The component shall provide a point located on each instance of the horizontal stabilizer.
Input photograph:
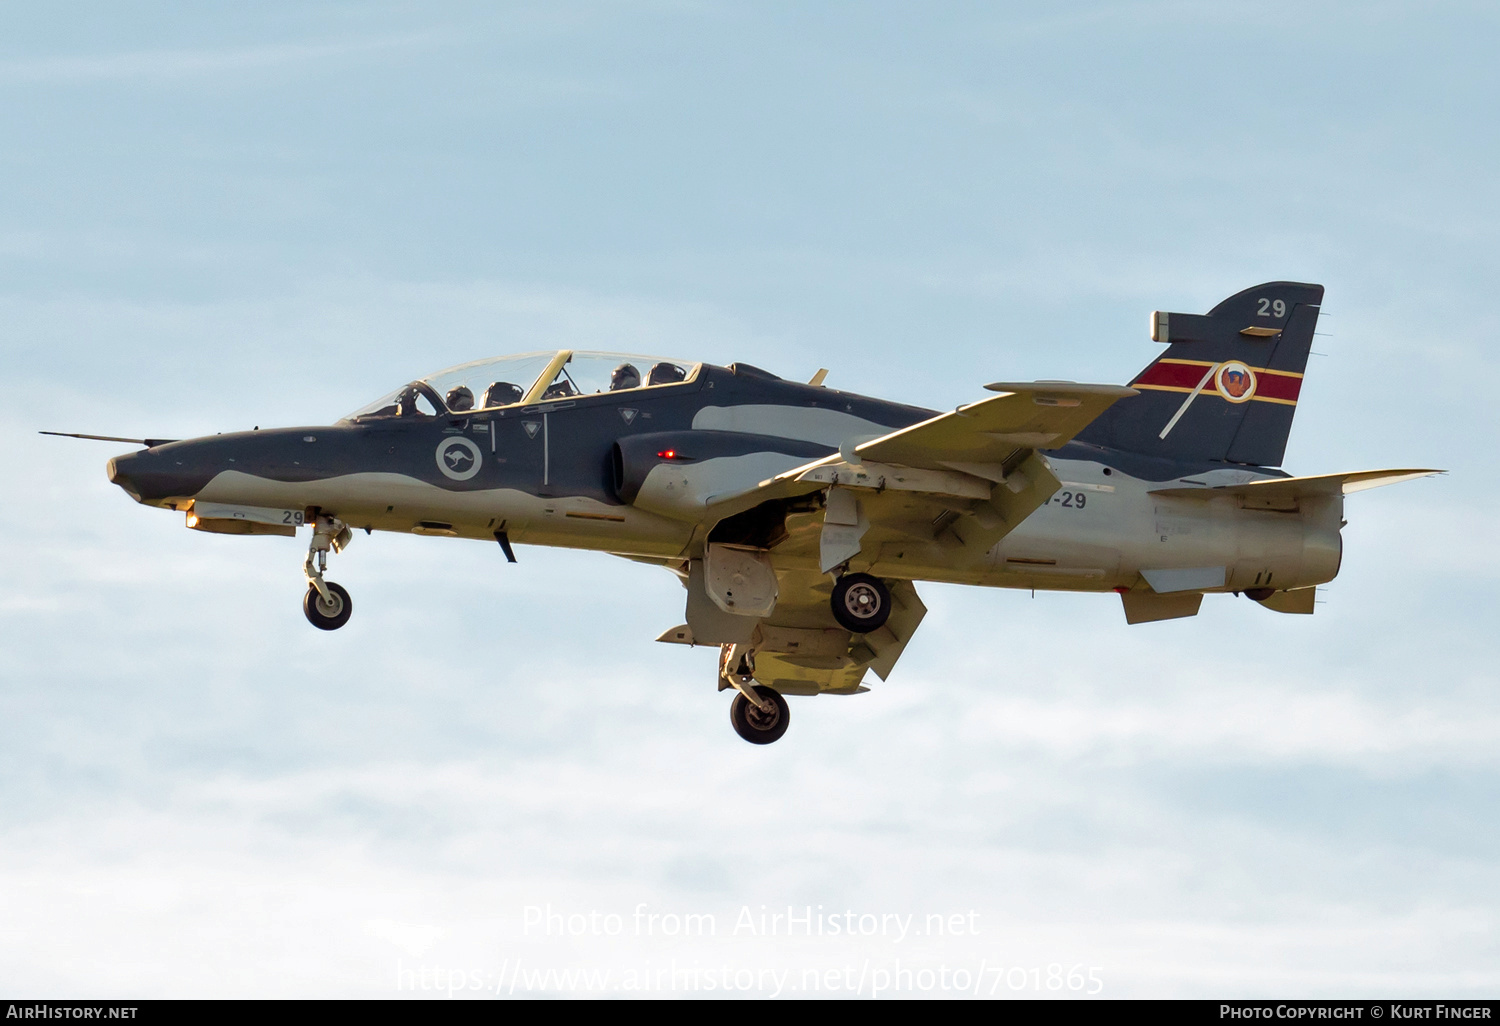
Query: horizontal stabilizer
(1282, 492)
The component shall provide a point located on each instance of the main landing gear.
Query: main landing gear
(327, 605)
(758, 713)
(760, 726)
(861, 603)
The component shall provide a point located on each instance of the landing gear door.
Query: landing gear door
(740, 579)
(709, 623)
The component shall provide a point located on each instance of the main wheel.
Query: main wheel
(861, 603)
(325, 615)
(756, 725)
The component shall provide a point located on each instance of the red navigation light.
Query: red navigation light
(668, 454)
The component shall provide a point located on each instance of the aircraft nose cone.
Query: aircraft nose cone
(117, 469)
(151, 476)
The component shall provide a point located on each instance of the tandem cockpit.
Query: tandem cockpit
(525, 379)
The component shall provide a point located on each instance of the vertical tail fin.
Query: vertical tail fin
(1226, 388)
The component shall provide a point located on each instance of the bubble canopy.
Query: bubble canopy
(526, 378)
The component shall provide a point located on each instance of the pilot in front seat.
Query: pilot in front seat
(460, 399)
(625, 376)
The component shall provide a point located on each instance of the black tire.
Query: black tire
(318, 612)
(861, 603)
(755, 726)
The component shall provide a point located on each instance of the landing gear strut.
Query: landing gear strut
(758, 713)
(861, 603)
(327, 605)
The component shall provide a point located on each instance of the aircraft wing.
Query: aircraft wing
(939, 492)
(964, 452)
(960, 480)
(961, 454)
(982, 438)
(1284, 492)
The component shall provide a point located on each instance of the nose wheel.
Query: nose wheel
(762, 723)
(861, 603)
(327, 614)
(326, 604)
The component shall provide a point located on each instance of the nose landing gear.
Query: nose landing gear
(326, 605)
(327, 614)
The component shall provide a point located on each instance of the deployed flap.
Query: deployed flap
(1288, 489)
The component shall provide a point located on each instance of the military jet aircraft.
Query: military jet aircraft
(798, 517)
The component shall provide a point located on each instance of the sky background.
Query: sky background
(215, 216)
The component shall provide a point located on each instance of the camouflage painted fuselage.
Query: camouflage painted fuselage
(632, 472)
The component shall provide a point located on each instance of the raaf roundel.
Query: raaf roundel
(799, 517)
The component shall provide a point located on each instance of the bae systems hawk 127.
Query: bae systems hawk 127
(798, 517)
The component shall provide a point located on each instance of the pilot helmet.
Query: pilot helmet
(665, 374)
(625, 376)
(460, 399)
(502, 393)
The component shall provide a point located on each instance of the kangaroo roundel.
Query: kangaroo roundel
(458, 458)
